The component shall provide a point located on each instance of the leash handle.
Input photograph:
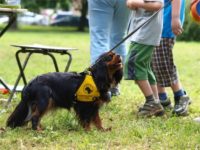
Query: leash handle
(144, 23)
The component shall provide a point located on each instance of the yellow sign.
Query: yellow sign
(88, 91)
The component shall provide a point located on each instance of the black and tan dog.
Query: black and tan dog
(85, 92)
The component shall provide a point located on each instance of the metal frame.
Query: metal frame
(12, 18)
(39, 50)
(4, 84)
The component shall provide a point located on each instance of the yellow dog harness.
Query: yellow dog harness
(88, 91)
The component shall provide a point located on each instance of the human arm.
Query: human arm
(192, 2)
(176, 22)
(147, 5)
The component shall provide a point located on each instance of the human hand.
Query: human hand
(134, 4)
(176, 26)
(192, 2)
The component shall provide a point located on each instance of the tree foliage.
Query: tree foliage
(36, 5)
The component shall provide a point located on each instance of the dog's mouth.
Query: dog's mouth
(115, 63)
(118, 61)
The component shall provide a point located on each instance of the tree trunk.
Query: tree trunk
(83, 20)
(14, 26)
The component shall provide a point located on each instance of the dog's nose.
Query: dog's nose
(119, 57)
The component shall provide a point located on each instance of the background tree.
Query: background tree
(82, 6)
(36, 5)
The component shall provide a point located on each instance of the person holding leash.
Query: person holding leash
(163, 60)
(108, 21)
(138, 61)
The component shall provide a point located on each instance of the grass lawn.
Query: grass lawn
(62, 131)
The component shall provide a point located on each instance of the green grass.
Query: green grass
(62, 130)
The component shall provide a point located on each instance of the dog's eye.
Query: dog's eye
(107, 58)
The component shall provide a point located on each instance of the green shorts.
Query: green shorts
(138, 63)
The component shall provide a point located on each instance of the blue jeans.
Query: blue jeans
(108, 20)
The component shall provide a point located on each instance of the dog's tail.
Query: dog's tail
(20, 115)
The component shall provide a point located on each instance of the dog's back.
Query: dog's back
(61, 87)
(44, 92)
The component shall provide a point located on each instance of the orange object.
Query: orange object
(4, 91)
(195, 11)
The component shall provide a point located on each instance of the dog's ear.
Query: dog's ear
(108, 70)
(118, 76)
(100, 74)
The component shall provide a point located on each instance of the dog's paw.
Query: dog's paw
(2, 130)
(106, 129)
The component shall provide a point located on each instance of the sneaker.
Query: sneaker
(181, 106)
(151, 108)
(115, 91)
(166, 103)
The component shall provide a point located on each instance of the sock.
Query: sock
(149, 98)
(178, 94)
(162, 96)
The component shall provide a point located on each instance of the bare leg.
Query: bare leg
(145, 87)
(176, 87)
(155, 91)
(161, 89)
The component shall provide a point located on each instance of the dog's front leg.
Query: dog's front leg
(85, 125)
(97, 122)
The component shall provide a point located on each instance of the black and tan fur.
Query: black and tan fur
(54, 90)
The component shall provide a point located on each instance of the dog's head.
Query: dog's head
(107, 71)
